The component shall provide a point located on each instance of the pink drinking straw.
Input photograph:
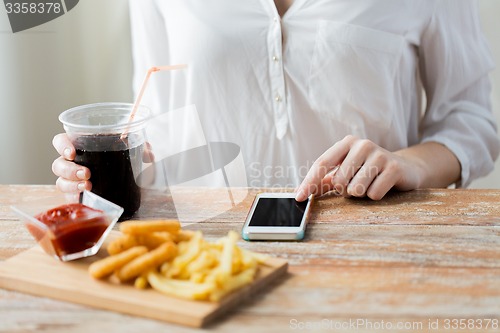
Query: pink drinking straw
(143, 88)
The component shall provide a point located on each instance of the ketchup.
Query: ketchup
(76, 227)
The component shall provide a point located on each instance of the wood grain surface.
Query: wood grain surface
(413, 262)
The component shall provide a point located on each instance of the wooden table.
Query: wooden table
(422, 260)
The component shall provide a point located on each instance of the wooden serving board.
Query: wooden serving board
(35, 272)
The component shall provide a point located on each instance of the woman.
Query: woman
(391, 94)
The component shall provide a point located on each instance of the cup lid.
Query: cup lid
(104, 118)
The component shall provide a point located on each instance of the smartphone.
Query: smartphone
(277, 216)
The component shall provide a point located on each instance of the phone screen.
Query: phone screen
(278, 212)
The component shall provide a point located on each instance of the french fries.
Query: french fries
(151, 241)
(144, 227)
(147, 261)
(177, 262)
(106, 266)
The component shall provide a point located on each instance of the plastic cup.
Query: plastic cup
(115, 163)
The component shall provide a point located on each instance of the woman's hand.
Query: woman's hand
(73, 178)
(359, 168)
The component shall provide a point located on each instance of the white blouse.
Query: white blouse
(398, 72)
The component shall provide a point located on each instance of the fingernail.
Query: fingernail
(80, 174)
(81, 187)
(300, 195)
(350, 190)
(67, 152)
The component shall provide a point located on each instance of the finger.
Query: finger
(64, 146)
(69, 186)
(148, 155)
(352, 163)
(324, 164)
(327, 184)
(362, 180)
(70, 170)
(384, 182)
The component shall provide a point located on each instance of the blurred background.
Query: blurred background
(84, 57)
